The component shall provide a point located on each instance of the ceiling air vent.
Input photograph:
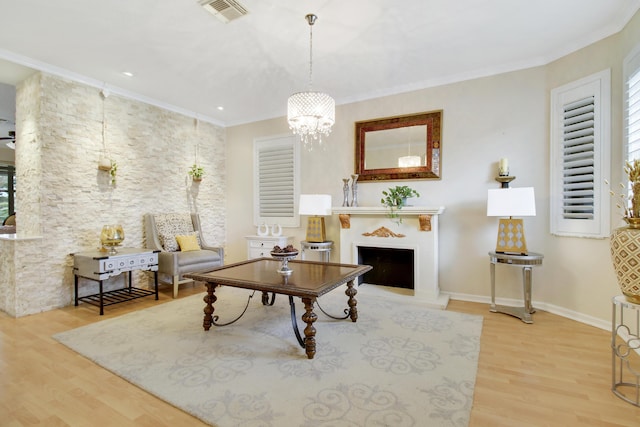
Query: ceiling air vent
(224, 10)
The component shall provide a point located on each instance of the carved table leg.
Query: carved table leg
(210, 298)
(309, 332)
(351, 293)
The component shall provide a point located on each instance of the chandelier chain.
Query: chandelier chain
(310, 56)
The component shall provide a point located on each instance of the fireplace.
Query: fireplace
(369, 227)
(393, 266)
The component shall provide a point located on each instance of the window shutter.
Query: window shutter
(276, 181)
(578, 160)
(633, 115)
(580, 153)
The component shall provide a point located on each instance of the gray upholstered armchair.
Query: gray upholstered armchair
(161, 231)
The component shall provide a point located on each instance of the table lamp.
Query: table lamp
(510, 202)
(318, 205)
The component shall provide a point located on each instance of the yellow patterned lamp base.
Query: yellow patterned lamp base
(511, 237)
(315, 230)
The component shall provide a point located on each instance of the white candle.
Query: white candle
(503, 167)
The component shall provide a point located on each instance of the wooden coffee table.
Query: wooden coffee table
(308, 281)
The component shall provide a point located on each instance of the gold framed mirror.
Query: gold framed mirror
(400, 147)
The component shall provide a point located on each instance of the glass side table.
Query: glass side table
(625, 350)
(527, 262)
(323, 247)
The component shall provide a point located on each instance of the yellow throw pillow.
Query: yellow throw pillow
(188, 243)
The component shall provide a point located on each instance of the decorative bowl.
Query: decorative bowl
(284, 258)
(289, 255)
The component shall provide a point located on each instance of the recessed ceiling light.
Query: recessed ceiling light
(127, 73)
(220, 108)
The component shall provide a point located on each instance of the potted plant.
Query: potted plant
(196, 172)
(113, 171)
(395, 198)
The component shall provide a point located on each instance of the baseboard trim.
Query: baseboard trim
(560, 311)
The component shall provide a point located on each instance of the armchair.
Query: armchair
(161, 231)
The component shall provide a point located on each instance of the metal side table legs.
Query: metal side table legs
(527, 262)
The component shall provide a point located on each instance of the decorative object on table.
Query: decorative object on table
(196, 172)
(111, 236)
(624, 242)
(276, 230)
(262, 230)
(284, 255)
(503, 173)
(354, 190)
(319, 206)
(345, 191)
(510, 202)
(395, 198)
(311, 114)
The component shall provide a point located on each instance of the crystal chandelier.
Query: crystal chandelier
(311, 114)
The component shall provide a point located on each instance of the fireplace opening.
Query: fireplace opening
(391, 266)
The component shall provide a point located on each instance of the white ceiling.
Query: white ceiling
(186, 60)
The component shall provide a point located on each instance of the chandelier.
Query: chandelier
(311, 114)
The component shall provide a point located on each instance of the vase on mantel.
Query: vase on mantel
(625, 255)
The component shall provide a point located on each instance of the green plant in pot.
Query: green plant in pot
(196, 172)
(395, 198)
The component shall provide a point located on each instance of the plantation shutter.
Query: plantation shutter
(633, 115)
(578, 160)
(580, 153)
(276, 181)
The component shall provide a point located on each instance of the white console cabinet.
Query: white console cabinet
(260, 246)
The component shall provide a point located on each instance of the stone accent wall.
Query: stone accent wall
(65, 199)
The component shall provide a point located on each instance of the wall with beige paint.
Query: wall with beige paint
(485, 119)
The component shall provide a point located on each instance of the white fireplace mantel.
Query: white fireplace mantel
(380, 210)
(418, 232)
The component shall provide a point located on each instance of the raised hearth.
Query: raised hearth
(371, 227)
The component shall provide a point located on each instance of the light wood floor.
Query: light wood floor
(556, 372)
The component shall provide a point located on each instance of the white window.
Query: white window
(631, 75)
(276, 183)
(580, 146)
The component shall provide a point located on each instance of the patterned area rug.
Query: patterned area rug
(400, 364)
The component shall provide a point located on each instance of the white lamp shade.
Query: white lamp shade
(315, 204)
(511, 202)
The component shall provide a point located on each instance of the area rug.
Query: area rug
(401, 364)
